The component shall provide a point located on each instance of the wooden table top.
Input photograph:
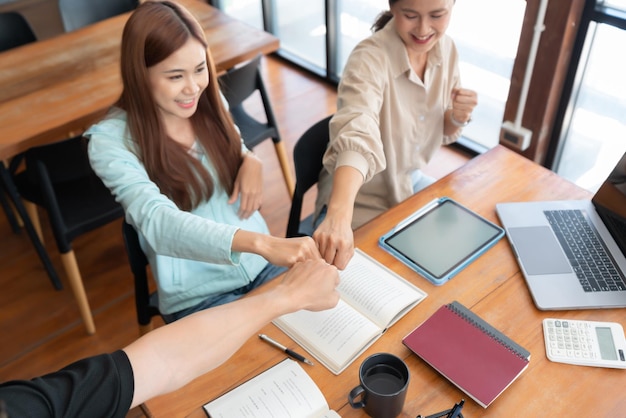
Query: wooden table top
(492, 286)
(51, 88)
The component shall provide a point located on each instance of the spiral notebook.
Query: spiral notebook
(469, 352)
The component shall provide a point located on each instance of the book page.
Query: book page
(333, 336)
(285, 390)
(376, 291)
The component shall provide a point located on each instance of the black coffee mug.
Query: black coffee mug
(384, 381)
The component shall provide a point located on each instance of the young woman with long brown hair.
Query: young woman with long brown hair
(173, 158)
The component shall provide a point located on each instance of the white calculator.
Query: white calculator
(585, 343)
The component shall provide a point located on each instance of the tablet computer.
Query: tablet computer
(440, 239)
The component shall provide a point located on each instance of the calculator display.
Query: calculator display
(606, 343)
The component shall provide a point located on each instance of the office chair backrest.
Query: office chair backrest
(237, 85)
(64, 161)
(241, 82)
(14, 31)
(58, 177)
(307, 158)
(78, 13)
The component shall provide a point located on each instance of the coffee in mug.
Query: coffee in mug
(384, 379)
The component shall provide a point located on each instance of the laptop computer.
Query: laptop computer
(572, 253)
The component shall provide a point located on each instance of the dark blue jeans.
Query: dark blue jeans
(268, 273)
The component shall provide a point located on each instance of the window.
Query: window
(356, 18)
(249, 11)
(593, 133)
(301, 28)
(487, 46)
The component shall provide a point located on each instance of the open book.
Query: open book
(284, 390)
(372, 299)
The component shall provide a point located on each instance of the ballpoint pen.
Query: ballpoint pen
(289, 352)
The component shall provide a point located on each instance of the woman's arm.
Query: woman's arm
(248, 185)
(460, 112)
(334, 236)
(278, 251)
(171, 356)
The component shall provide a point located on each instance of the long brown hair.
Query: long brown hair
(153, 32)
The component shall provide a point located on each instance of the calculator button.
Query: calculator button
(558, 352)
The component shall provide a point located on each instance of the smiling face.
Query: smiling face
(178, 81)
(421, 23)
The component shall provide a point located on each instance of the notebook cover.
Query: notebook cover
(467, 354)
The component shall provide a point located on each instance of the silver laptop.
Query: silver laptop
(572, 252)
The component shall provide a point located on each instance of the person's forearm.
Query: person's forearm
(169, 357)
(250, 242)
(346, 184)
(449, 128)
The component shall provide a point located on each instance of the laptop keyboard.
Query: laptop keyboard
(589, 258)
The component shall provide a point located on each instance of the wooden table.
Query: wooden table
(55, 88)
(61, 85)
(492, 286)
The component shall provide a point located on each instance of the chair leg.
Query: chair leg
(14, 221)
(31, 209)
(281, 152)
(14, 218)
(76, 283)
(11, 190)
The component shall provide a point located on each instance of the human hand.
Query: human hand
(311, 285)
(248, 186)
(288, 251)
(335, 240)
(463, 103)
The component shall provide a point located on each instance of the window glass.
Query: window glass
(487, 49)
(616, 4)
(355, 21)
(249, 11)
(595, 130)
(301, 27)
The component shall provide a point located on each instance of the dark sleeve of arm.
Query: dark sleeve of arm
(99, 386)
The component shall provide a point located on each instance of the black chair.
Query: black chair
(146, 303)
(238, 85)
(307, 158)
(14, 31)
(58, 178)
(78, 13)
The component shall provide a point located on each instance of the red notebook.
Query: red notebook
(476, 357)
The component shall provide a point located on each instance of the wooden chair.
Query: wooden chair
(58, 178)
(146, 303)
(307, 158)
(238, 85)
(78, 13)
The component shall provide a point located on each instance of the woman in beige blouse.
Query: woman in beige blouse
(399, 99)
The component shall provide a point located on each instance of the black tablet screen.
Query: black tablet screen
(443, 238)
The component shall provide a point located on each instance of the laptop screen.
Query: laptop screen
(610, 203)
